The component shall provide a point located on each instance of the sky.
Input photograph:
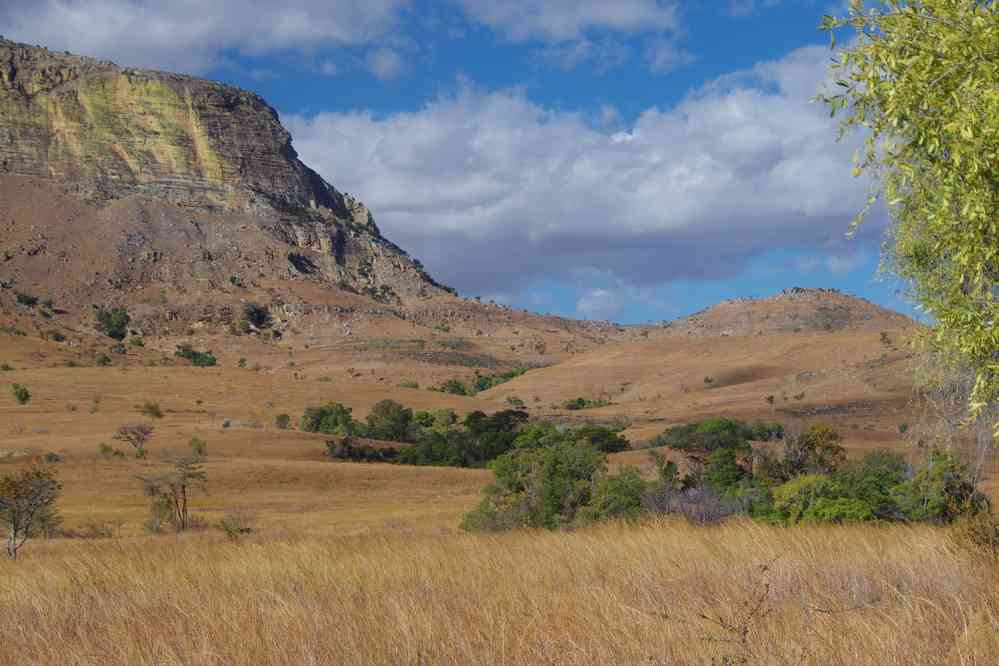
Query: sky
(631, 160)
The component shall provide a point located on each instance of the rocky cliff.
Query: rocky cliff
(105, 132)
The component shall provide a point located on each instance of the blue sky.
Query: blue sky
(635, 160)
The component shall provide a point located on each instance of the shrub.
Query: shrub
(257, 315)
(332, 419)
(617, 496)
(236, 524)
(708, 436)
(388, 420)
(103, 360)
(242, 363)
(197, 358)
(105, 450)
(113, 322)
(603, 439)
(56, 336)
(199, 448)
(20, 393)
(152, 410)
(26, 299)
(137, 342)
(282, 421)
(939, 492)
(51, 457)
(540, 487)
(6, 367)
(346, 449)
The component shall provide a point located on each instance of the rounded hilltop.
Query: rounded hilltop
(796, 309)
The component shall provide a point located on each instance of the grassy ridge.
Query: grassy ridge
(658, 593)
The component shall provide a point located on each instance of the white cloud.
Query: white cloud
(492, 191)
(604, 54)
(599, 304)
(748, 7)
(385, 63)
(192, 35)
(664, 56)
(569, 20)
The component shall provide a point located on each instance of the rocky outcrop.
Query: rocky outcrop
(106, 132)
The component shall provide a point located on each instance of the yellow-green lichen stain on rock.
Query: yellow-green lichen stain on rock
(111, 132)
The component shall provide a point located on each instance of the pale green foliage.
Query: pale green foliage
(922, 80)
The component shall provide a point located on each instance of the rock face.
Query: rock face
(105, 132)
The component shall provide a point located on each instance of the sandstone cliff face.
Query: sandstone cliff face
(105, 132)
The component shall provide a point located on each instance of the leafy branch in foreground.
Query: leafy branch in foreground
(922, 80)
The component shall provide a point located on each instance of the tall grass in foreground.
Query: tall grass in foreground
(663, 593)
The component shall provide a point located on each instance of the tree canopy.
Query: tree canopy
(921, 78)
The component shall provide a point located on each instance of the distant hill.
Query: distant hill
(793, 310)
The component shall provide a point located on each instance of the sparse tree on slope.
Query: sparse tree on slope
(27, 500)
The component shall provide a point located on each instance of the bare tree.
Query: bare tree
(943, 388)
(27, 501)
(136, 436)
(172, 490)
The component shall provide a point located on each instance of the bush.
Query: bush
(617, 496)
(708, 436)
(113, 322)
(603, 439)
(51, 457)
(332, 419)
(103, 360)
(26, 299)
(236, 524)
(137, 342)
(390, 421)
(346, 449)
(282, 421)
(257, 315)
(6, 367)
(577, 404)
(940, 492)
(541, 487)
(20, 393)
(152, 410)
(199, 447)
(197, 358)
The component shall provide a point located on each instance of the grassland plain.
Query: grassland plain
(656, 593)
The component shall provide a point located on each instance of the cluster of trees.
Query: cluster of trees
(440, 438)
(564, 482)
(480, 383)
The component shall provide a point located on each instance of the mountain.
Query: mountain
(186, 154)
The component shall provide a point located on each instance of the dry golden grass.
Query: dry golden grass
(663, 593)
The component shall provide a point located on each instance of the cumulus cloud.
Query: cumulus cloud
(192, 35)
(493, 191)
(568, 20)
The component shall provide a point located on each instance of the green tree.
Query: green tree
(538, 487)
(331, 419)
(390, 421)
(922, 80)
